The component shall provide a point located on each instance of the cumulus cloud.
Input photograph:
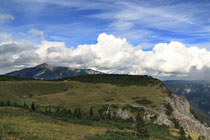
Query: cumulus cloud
(112, 55)
(6, 17)
(16, 54)
(36, 32)
(175, 57)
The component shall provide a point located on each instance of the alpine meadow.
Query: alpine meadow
(104, 70)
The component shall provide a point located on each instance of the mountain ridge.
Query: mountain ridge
(50, 72)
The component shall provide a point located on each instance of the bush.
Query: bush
(144, 102)
(169, 109)
(176, 123)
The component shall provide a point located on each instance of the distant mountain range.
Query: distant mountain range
(49, 72)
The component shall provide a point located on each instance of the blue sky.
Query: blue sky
(145, 22)
(162, 38)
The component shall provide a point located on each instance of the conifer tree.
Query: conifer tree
(15, 104)
(77, 113)
(70, 112)
(141, 130)
(8, 103)
(1, 103)
(201, 138)
(109, 115)
(25, 106)
(49, 110)
(91, 112)
(182, 134)
(33, 107)
(189, 137)
(57, 109)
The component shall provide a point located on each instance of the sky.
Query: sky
(163, 38)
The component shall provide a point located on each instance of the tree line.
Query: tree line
(104, 115)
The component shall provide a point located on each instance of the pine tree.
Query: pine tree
(189, 137)
(91, 113)
(77, 113)
(176, 123)
(33, 107)
(70, 112)
(109, 115)
(182, 134)
(15, 104)
(141, 131)
(201, 138)
(57, 109)
(8, 103)
(25, 106)
(64, 111)
(1, 103)
(49, 109)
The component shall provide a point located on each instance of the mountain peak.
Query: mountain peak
(49, 72)
(43, 65)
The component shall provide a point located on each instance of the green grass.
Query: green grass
(11, 78)
(73, 93)
(23, 124)
(114, 91)
(25, 89)
(156, 132)
(18, 123)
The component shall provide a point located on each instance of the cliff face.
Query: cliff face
(196, 92)
(181, 112)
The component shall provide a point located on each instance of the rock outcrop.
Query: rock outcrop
(186, 119)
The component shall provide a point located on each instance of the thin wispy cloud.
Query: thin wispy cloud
(6, 17)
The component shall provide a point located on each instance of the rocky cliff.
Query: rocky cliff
(181, 112)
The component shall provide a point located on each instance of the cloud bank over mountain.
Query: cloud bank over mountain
(110, 54)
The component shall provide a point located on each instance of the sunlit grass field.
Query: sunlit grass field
(19, 123)
(16, 122)
(72, 94)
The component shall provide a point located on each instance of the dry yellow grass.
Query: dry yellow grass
(175, 132)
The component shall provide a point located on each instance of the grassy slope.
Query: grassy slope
(23, 124)
(17, 123)
(11, 78)
(81, 93)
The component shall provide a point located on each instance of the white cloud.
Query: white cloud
(4, 37)
(36, 32)
(121, 25)
(175, 57)
(112, 55)
(6, 17)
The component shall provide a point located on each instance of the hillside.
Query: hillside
(11, 78)
(49, 72)
(115, 101)
(19, 123)
(78, 91)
